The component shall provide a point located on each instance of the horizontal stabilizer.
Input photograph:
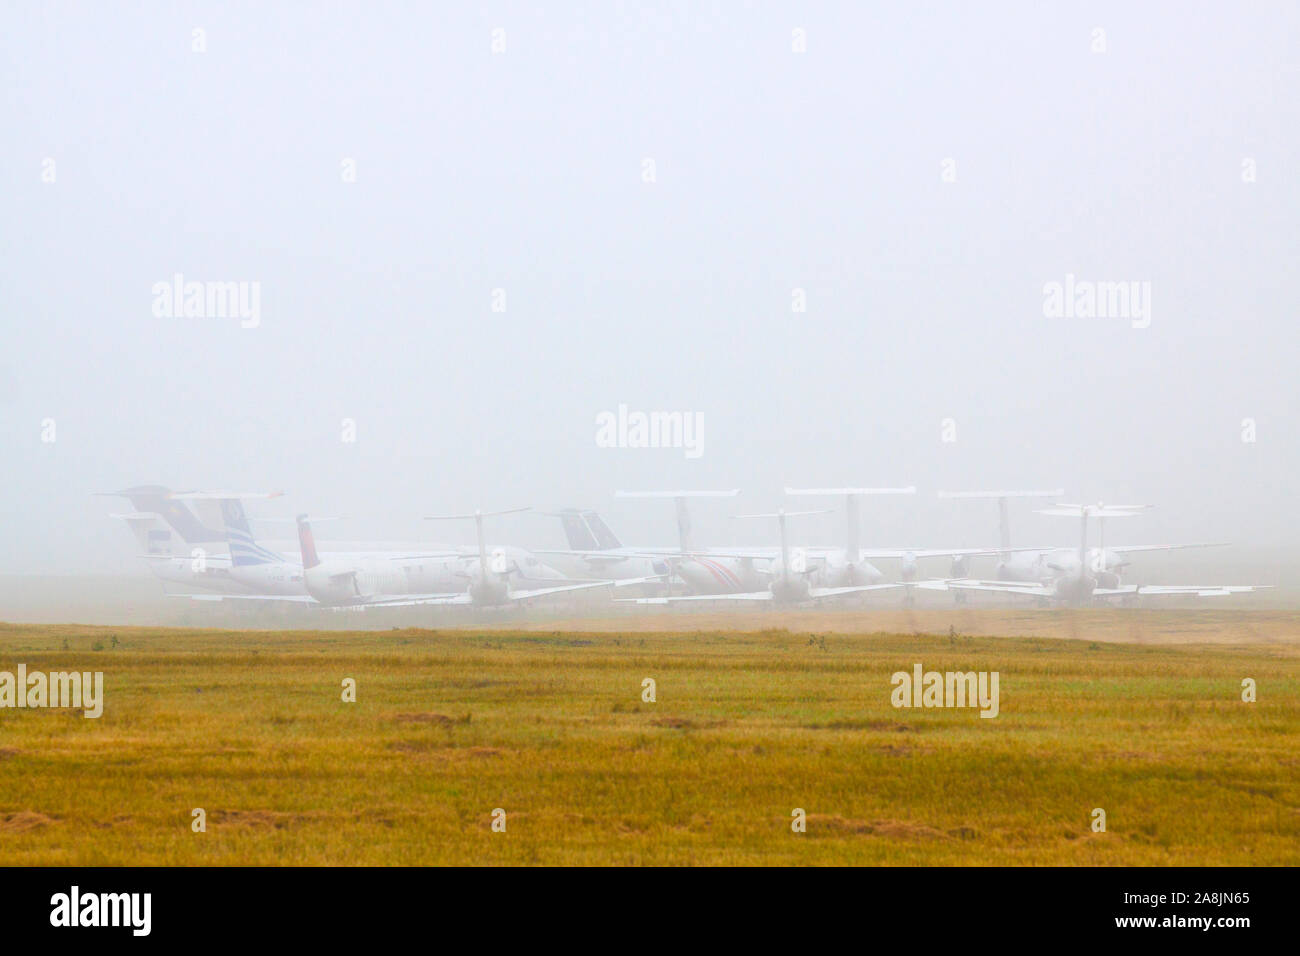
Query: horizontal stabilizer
(476, 514)
(910, 490)
(294, 521)
(224, 495)
(1091, 511)
(1062, 504)
(677, 494)
(1002, 494)
(785, 514)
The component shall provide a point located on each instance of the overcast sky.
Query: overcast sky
(649, 186)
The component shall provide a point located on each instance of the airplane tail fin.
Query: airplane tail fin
(162, 502)
(851, 496)
(477, 517)
(1004, 513)
(576, 532)
(586, 531)
(605, 538)
(244, 549)
(685, 537)
(307, 544)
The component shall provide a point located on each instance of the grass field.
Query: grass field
(551, 727)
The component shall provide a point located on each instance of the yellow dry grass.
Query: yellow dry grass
(550, 726)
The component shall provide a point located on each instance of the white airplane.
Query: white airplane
(490, 575)
(847, 566)
(852, 564)
(341, 580)
(788, 575)
(1034, 565)
(1073, 577)
(705, 570)
(595, 552)
(362, 580)
(192, 570)
(179, 545)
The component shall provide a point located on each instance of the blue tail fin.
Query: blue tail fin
(576, 531)
(244, 550)
(604, 536)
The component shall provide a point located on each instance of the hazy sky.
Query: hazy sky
(920, 172)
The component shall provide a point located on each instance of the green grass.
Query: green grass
(551, 727)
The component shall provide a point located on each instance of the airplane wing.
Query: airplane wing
(1125, 548)
(596, 557)
(395, 600)
(819, 593)
(538, 592)
(221, 560)
(1003, 587)
(408, 600)
(754, 554)
(815, 594)
(288, 598)
(744, 596)
(454, 599)
(648, 579)
(402, 600)
(873, 554)
(1201, 590)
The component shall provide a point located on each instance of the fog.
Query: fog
(825, 233)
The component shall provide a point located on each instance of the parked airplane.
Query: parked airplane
(362, 580)
(595, 552)
(158, 548)
(179, 545)
(704, 570)
(1072, 577)
(788, 575)
(852, 563)
(847, 566)
(490, 577)
(343, 579)
(1034, 565)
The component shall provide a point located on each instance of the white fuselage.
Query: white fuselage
(342, 580)
(705, 574)
(613, 565)
(209, 573)
(836, 570)
(1042, 567)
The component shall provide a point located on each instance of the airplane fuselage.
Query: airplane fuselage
(1042, 567)
(837, 571)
